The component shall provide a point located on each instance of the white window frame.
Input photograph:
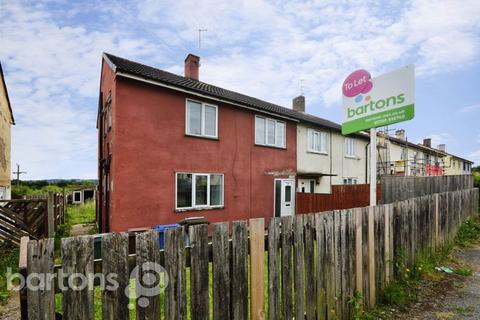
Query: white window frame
(310, 134)
(194, 206)
(265, 142)
(350, 181)
(202, 120)
(352, 142)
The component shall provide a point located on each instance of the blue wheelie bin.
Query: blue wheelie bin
(161, 232)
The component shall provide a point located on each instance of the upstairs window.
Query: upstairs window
(269, 132)
(350, 147)
(199, 190)
(201, 119)
(317, 141)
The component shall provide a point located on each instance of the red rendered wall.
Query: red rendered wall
(150, 145)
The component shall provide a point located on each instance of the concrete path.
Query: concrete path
(81, 229)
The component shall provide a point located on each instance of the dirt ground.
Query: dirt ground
(11, 311)
(454, 297)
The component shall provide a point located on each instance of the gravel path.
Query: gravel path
(455, 298)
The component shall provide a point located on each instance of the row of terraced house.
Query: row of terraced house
(172, 147)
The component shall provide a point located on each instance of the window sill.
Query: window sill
(318, 152)
(268, 146)
(199, 209)
(352, 157)
(201, 137)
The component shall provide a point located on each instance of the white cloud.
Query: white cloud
(471, 108)
(261, 48)
(475, 157)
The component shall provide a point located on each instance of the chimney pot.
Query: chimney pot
(442, 147)
(299, 103)
(192, 64)
(427, 142)
(400, 134)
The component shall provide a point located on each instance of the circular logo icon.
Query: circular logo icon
(356, 83)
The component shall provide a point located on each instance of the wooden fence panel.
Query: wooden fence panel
(221, 271)
(147, 254)
(274, 309)
(316, 263)
(257, 272)
(239, 271)
(309, 250)
(320, 266)
(287, 267)
(299, 267)
(115, 261)
(199, 279)
(77, 258)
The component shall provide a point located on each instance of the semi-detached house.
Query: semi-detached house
(172, 147)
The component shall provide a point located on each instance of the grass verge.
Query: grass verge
(404, 290)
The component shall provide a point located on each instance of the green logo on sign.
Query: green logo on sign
(374, 106)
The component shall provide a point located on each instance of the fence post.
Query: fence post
(358, 250)
(50, 215)
(22, 268)
(257, 249)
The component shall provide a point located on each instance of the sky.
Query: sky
(51, 54)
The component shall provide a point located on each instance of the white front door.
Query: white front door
(284, 197)
(3, 193)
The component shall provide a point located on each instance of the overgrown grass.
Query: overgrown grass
(8, 259)
(81, 214)
(403, 290)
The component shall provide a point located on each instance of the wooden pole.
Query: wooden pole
(358, 250)
(257, 246)
(371, 255)
(50, 215)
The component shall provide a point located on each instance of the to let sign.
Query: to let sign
(375, 102)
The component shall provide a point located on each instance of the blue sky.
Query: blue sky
(51, 53)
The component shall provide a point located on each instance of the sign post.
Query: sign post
(369, 103)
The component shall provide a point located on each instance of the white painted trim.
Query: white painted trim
(266, 144)
(200, 207)
(126, 75)
(202, 119)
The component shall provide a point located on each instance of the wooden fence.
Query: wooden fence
(341, 197)
(37, 218)
(396, 188)
(307, 266)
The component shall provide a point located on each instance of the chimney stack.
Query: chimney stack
(400, 134)
(427, 142)
(299, 103)
(442, 147)
(192, 64)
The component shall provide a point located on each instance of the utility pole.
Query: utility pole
(18, 173)
(200, 37)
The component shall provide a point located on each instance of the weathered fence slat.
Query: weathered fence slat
(199, 283)
(221, 271)
(77, 258)
(287, 267)
(274, 310)
(115, 261)
(320, 266)
(309, 249)
(176, 304)
(239, 271)
(298, 266)
(257, 275)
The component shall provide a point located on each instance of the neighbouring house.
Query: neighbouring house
(398, 156)
(6, 122)
(324, 156)
(172, 147)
